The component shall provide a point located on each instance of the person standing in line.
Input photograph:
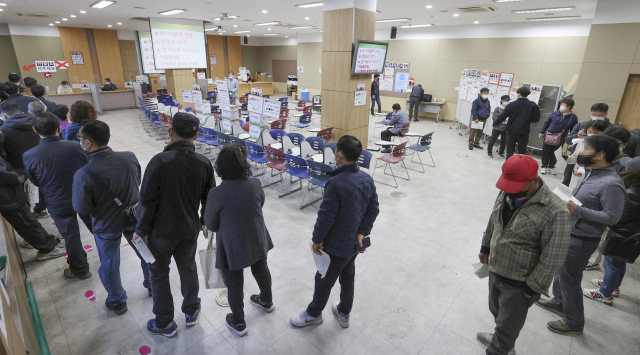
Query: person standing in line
(593, 128)
(499, 130)
(29, 82)
(79, 112)
(414, 101)
(107, 176)
(346, 215)
(521, 114)
(234, 212)
(176, 182)
(13, 96)
(557, 126)
(523, 252)
(375, 93)
(19, 136)
(38, 92)
(62, 112)
(614, 269)
(51, 167)
(602, 194)
(108, 85)
(397, 121)
(599, 112)
(15, 79)
(234, 85)
(480, 111)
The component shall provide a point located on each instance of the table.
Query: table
(383, 143)
(315, 129)
(243, 135)
(431, 107)
(70, 99)
(117, 99)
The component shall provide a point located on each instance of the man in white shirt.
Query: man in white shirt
(233, 85)
(65, 88)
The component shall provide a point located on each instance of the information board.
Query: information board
(77, 58)
(506, 79)
(271, 108)
(146, 52)
(223, 95)
(369, 57)
(45, 66)
(178, 43)
(256, 91)
(254, 104)
(494, 78)
(196, 96)
(187, 96)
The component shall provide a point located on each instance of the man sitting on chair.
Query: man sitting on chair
(398, 119)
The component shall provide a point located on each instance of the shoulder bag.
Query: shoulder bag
(621, 245)
(129, 212)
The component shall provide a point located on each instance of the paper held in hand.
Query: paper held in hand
(322, 261)
(144, 250)
(479, 125)
(482, 270)
(565, 194)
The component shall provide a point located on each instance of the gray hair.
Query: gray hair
(37, 107)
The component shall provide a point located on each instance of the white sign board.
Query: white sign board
(44, 66)
(386, 84)
(255, 104)
(77, 58)
(226, 126)
(223, 95)
(271, 108)
(178, 43)
(360, 98)
(256, 91)
(494, 78)
(506, 79)
(536, 90)
(370, 58)
(196, 96)
(146, 53)
(186, 96)
(388, 71)
(254, 126)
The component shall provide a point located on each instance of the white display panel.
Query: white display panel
(178, 43)
(369, 57)
(146, 53)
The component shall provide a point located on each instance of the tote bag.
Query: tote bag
(213, 278)
(621, 245)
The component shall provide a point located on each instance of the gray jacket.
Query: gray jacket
(496, 114)
(602, 194)
(577, 128)
(233, 87)
(397, 120)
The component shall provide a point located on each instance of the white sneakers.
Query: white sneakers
(598, 283)
(551, 171)
(343, 319)
(305, 320)
(596, 295)
(543, 171)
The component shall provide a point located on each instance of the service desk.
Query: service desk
(117, 99)
(431, 107)
(266, 86)
(70, 99)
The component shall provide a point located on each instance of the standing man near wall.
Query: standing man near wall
(414, 101)
(480, 111)
(521, 114)
(233, 86)
(375, 93)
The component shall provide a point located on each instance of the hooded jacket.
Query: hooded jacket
(11, 187)
(18, 138)
(21, 100)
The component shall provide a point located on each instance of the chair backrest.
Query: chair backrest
(302, 103)
(274, 155)
(236, 129)
(254, 151)
(279, 124)
(329, 155)
(365, 159)
(189, 109)
(306, 118)
(243, 99)
(277, 134)
(296, 164)
(399, 150)
(283, 99)
(266, 96)
(283, 105)
(326, 133)
(267, 138)
(307, 109)
(245, 126)
(296, 138)
(426, 139)
(389, 115)
(160, 107)
(284, 113)
(244, 106)
(405, 128)
(319, 171)
(316, 143)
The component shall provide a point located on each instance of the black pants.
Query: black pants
(183, 251)
(568, 173)
(512, 140)
(69, 229)
(548, 155)
(40, 206)
(343, 268)
(386, 136)
(28, 227)
(494, 137)
(509, 307)
(414, 106)
(235, 284)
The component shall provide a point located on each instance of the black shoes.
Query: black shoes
(478, 147)
(256, 301)
(119, 309)
(502, 156)
(561, 327)
(416, 120)
(470, 147)
(239, 329)
(386, 151)
(551, 307)
(490, 155)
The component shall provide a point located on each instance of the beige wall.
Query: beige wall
(612, 53)
(437, 63)
(310, 59)
(8, 62)
(250, 58)
(31, 48)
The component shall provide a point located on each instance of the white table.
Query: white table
(243, 135)
(315, 129)
(431, 107)
(383, 143)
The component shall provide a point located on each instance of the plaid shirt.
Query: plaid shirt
(533, 245)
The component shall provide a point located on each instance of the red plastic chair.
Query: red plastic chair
(245, 126)
(301, 105)
(395, 157)
(279, 124)
(243, 99)
(145, 96)
(275, 160)
(404, 130)
(326, 134)
(284, 113)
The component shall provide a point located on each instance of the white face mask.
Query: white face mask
(563, 109)
(505, 103)
(484, 97)
(594, 118)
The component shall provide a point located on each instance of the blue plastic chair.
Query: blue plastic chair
(224, 139)
(277, 134)
(266, 96)
(258, 155)
(244, 108)
(381, 124)
(189, 109)
(296, 142)
(364, 161)
(423, 145)
(296, 167)
(283, 99)
(318, 173)
(305, 122)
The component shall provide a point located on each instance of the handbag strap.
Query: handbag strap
(106, 189)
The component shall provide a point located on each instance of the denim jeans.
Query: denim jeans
(235, 284)
(614, 271)
(343, 268)
(373, 104)
(69, 229)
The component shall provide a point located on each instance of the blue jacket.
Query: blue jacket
(480, 109)
(49, 104)
(18, 138)
(558, 122)
(71, 131)
(51, 166)
(22, 101)
(349, 208)
(120, 171)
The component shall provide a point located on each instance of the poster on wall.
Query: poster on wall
(386, 84)
(186, 96)
(494, 78)
(536, 90)
(213, 59)
(485, 78)
(360, 98)
(254, 104)
(77, 58)
(402, 82)
(514, 92)
(300, 69)
(501, 91)
(388, 71)
(506, 79)
(45, 66)
(223, 95)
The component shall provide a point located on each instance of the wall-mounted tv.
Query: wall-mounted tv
(369, 57)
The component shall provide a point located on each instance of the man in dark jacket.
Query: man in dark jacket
(11, 90)
(14, 208)
(18, 134)
(38, 92)
(175, 183)
(15, 78)
(480, 111)
(107, 176)
(414, 101)
(375, 93)
(521, 114)
(499, 130)
(345, 218)
(51, 166)
(108, 85)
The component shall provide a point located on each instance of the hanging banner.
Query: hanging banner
(45, 66)
(255, 104)
(223, 95)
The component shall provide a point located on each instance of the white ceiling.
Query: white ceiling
(250, 12)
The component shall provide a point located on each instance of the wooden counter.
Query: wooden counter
(117, 99)
(266, 86)
(70, 99)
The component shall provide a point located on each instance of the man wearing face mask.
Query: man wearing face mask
(64, 88)
(554, 131)
(109, 86)
(233, 86)
(602, 194)
(525, 244)
(480, 111)
(51, 166)
(499, 130)
(521, 114)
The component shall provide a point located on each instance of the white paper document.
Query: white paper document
(144, 251)
(34, 195)
(322, 261)
(565, 194)
(479, 125)
(482, 270)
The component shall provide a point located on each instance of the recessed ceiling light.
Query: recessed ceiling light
(548, 9)
(267, 23)
(109, 26)
(456, 15)
(312, 4)
(429, 7)
(2, 4)
(476, 22)
(83, 12)
(232, 16)
(394, 20)
(248, 35)
(264, 11)
(416, 26)
(268, 29)
(286, 36)
(271, 34)
(242, 31)
(300, 27)
(57, 21)
(554, 18)
(73, 15)
(50, 24)
(119, 23)
(171, 12)
(102, 4)
(508, 0)
(220, 33)
(64, 19)
(306, 18)
(235, 25)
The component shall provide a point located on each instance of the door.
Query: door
(629, 113)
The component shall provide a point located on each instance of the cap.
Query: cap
(633, 164)
(517, 171)
(186, 121)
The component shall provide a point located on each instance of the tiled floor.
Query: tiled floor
(415, 288)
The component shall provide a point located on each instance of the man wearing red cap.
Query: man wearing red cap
(525, 245)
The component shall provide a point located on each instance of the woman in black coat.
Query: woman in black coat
(234, 211)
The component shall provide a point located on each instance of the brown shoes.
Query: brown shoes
(69, 275)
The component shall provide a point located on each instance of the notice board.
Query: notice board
(391, 70)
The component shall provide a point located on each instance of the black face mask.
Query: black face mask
(585, 160)
(518, 195)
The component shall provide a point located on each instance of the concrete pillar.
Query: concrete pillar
(178, 80)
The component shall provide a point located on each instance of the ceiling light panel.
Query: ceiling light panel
(394, 20)
(417, 26)
(102, 4)
(312, 4)
(548, 9)
(562, 18)
(271, 34)
(268, 23)
(242, 31)
(171, 12)
(300, 27)
(499, 1)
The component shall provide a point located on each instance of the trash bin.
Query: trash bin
(304, 93)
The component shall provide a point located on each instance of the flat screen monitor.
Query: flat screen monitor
(369, 57)
(178, 43)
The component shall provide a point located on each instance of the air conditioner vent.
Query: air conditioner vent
(476, 9)
(32, 15)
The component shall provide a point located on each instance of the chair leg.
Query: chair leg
(385, 169)
(312, 202)
(421, 165)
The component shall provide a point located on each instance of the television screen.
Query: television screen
(178, 43)
(369, 57)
